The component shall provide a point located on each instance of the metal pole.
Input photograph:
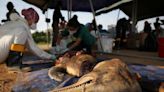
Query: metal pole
(93, 12)
(70, 8)
(118, 15)
(47, 29)
(134, 15)
(119, 41)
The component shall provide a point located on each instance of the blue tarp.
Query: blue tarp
(41, 81)
(149, 72)
(37, 79)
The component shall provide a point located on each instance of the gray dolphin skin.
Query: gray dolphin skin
(75, 66)
(107, 76)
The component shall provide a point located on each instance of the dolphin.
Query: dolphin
(107, 76)
(76, 66)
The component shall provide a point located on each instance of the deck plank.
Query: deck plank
(137, 57)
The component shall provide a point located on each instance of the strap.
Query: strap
(17, 47)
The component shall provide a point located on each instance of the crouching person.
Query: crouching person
(15, 36)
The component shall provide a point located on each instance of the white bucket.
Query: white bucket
(107, 44)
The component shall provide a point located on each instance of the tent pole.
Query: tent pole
(134, 15)
(118, 15)
(47, 34)
(70, 9)
(93, 12)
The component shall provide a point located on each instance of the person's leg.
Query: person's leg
(15, 55)
(17, 48)
(123, 34)
(118, 39)
(123, 39)
(55, 32)
(142, 41)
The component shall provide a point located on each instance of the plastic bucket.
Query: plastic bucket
(107, 44)
(161, 47)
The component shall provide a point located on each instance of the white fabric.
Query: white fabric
(59, 47)
(33, 26)
(14, 16)
(95, 34)
(106, 44)
(18, 32)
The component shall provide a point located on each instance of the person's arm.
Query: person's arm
(79, 38)
(76, 43)
(32, 47)
(7, 18)
(61, 17)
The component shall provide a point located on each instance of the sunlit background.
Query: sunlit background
(84, 17)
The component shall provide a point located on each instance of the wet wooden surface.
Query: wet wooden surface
(135, 57)
(7, 79)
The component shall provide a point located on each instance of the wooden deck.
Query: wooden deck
(136, 57)
(129, 56)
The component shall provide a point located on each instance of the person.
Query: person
(91, 30)
(157, 26)
(56, 18)
(157, 23)
(101, 30)
(62, 41)
(121, 28)
(11, 9)
(148, 40)
(147, 28)
(84, 40)
(15, 37)
(146, 31)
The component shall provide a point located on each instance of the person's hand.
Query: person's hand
(80, 52)
(4, 20)
(53, 57)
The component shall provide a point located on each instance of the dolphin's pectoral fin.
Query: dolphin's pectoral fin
(57, 73)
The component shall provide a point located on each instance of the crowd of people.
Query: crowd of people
(149, 37)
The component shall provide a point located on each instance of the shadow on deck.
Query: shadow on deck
(135, 57)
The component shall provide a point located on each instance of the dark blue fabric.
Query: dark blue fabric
(40, 79)
(35, 67)
(83, 5)
(71, 81)
(149, 72)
